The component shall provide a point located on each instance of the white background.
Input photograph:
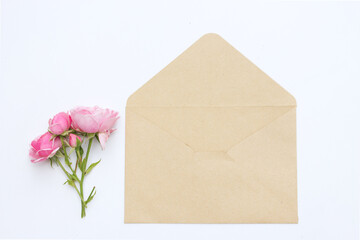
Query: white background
(61, 54)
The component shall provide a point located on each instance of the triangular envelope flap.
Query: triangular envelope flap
(211, 73)
(214, 129)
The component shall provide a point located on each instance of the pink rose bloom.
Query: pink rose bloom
(60, 123)
(43, 148)
(72, 139)
(94, 120)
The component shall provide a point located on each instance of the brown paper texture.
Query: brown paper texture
(211, 139)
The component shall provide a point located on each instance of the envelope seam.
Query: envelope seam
(244, 139)
(194, 151)
(154, 124)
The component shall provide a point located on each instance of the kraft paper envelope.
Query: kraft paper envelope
(211, 139)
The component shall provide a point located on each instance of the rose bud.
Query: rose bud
(60, 123)
(94, 120)
(43, 147)
(72, 140)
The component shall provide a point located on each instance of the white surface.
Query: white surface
(60, 54)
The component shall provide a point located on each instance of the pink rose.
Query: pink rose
(94, 120)
(43, 148)
(72, 139)
(60, 123)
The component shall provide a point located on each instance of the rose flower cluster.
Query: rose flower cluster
(66, 134)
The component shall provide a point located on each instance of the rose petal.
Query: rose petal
(38, 160)
(42, 147)
(85, 123)
(32, 153)
(44, 152)
(60, 123)
(53, 152)
(103, 137)
(35, 143)
(108, 124)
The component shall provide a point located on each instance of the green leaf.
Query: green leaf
(91, 135)
(92, 166)
(91, 195)
(71, 151)
(78, 142)
(64, 134)
(79, 154)
(70, 182)
(67, 162)
(80, 165)
(52, 136)
(81, 151)
(59, 154)
(67, 144)
(73, 177)
(51, 162)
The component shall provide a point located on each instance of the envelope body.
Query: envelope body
(211, 139)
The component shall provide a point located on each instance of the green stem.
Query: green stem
(78, 160)
(67, 161)
(69, 176)
(88, 151)
(83, 172)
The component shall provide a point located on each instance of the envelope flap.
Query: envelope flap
(211, 73)
(210, 129)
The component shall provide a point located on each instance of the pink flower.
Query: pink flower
(60, 123)
(94, 120)
(72, 139)
(43, 148)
